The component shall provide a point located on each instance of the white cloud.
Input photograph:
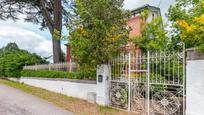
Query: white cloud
(27, 40)
(27, 36)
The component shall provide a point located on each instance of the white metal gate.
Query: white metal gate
(149, 83)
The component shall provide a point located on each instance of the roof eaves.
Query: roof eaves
(139, 9)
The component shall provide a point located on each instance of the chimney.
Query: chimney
(68, 55)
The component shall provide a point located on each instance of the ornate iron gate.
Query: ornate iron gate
(150, 83)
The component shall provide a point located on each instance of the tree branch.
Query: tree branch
(46, 15)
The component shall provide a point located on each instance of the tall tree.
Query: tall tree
(49, 13)
(99, 32)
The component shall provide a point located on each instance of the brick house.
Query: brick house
(135, 23)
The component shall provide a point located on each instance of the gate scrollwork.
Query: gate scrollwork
(119, 95)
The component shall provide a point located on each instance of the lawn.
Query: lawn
(75, 105)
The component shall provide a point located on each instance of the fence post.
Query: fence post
(148, 85)
(70, 65)
(49, 67)
(36, 67)
(25, 67)
(184, 78)
(129, 80)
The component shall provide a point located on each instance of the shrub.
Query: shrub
(91, 75)
(12, 60)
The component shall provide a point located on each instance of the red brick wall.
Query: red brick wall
(68, 54)
(135, 24)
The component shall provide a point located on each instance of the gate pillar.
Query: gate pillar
(195, 82)
(103, 83)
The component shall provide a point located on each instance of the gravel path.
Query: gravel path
(15, 102)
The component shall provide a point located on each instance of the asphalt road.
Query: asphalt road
(15, 102)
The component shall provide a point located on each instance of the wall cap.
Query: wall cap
(63, 79)
(194, 54)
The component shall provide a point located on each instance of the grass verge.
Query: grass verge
(75, 105)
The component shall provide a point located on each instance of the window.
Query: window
(153, 16)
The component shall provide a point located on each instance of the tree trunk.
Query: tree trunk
(57, 55)
(55, 25)
(56, 50)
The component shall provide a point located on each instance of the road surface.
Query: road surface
(16, 102)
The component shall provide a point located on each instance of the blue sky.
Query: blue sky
(29, 37)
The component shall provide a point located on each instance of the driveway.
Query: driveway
(15, 102)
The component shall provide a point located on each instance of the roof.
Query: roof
(67, 44)
(146, 6)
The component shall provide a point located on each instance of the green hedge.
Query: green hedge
(59, 74)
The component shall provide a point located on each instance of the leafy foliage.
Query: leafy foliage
(187, 17)
(12, 60)
(36, 11)
(153, 36)
(99, 31)
(59, 74)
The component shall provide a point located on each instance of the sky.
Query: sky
(29, 37)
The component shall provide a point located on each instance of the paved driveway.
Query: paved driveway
(15, 102)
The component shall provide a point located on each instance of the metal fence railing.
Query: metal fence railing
(71, 67)
(150, 83)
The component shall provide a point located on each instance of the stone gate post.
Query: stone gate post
(103, 84)
(195, 82)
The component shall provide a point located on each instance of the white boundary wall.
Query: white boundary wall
(195, 83)
(92, 91)
(78, 89)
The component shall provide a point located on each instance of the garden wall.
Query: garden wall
(195, 83)
(96, 91)
(76, 88)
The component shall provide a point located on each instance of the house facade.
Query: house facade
(136, 22)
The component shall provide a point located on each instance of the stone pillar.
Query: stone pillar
(103, 77)
(195, 83)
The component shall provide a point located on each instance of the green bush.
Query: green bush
(12, 60)
(91, 75)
